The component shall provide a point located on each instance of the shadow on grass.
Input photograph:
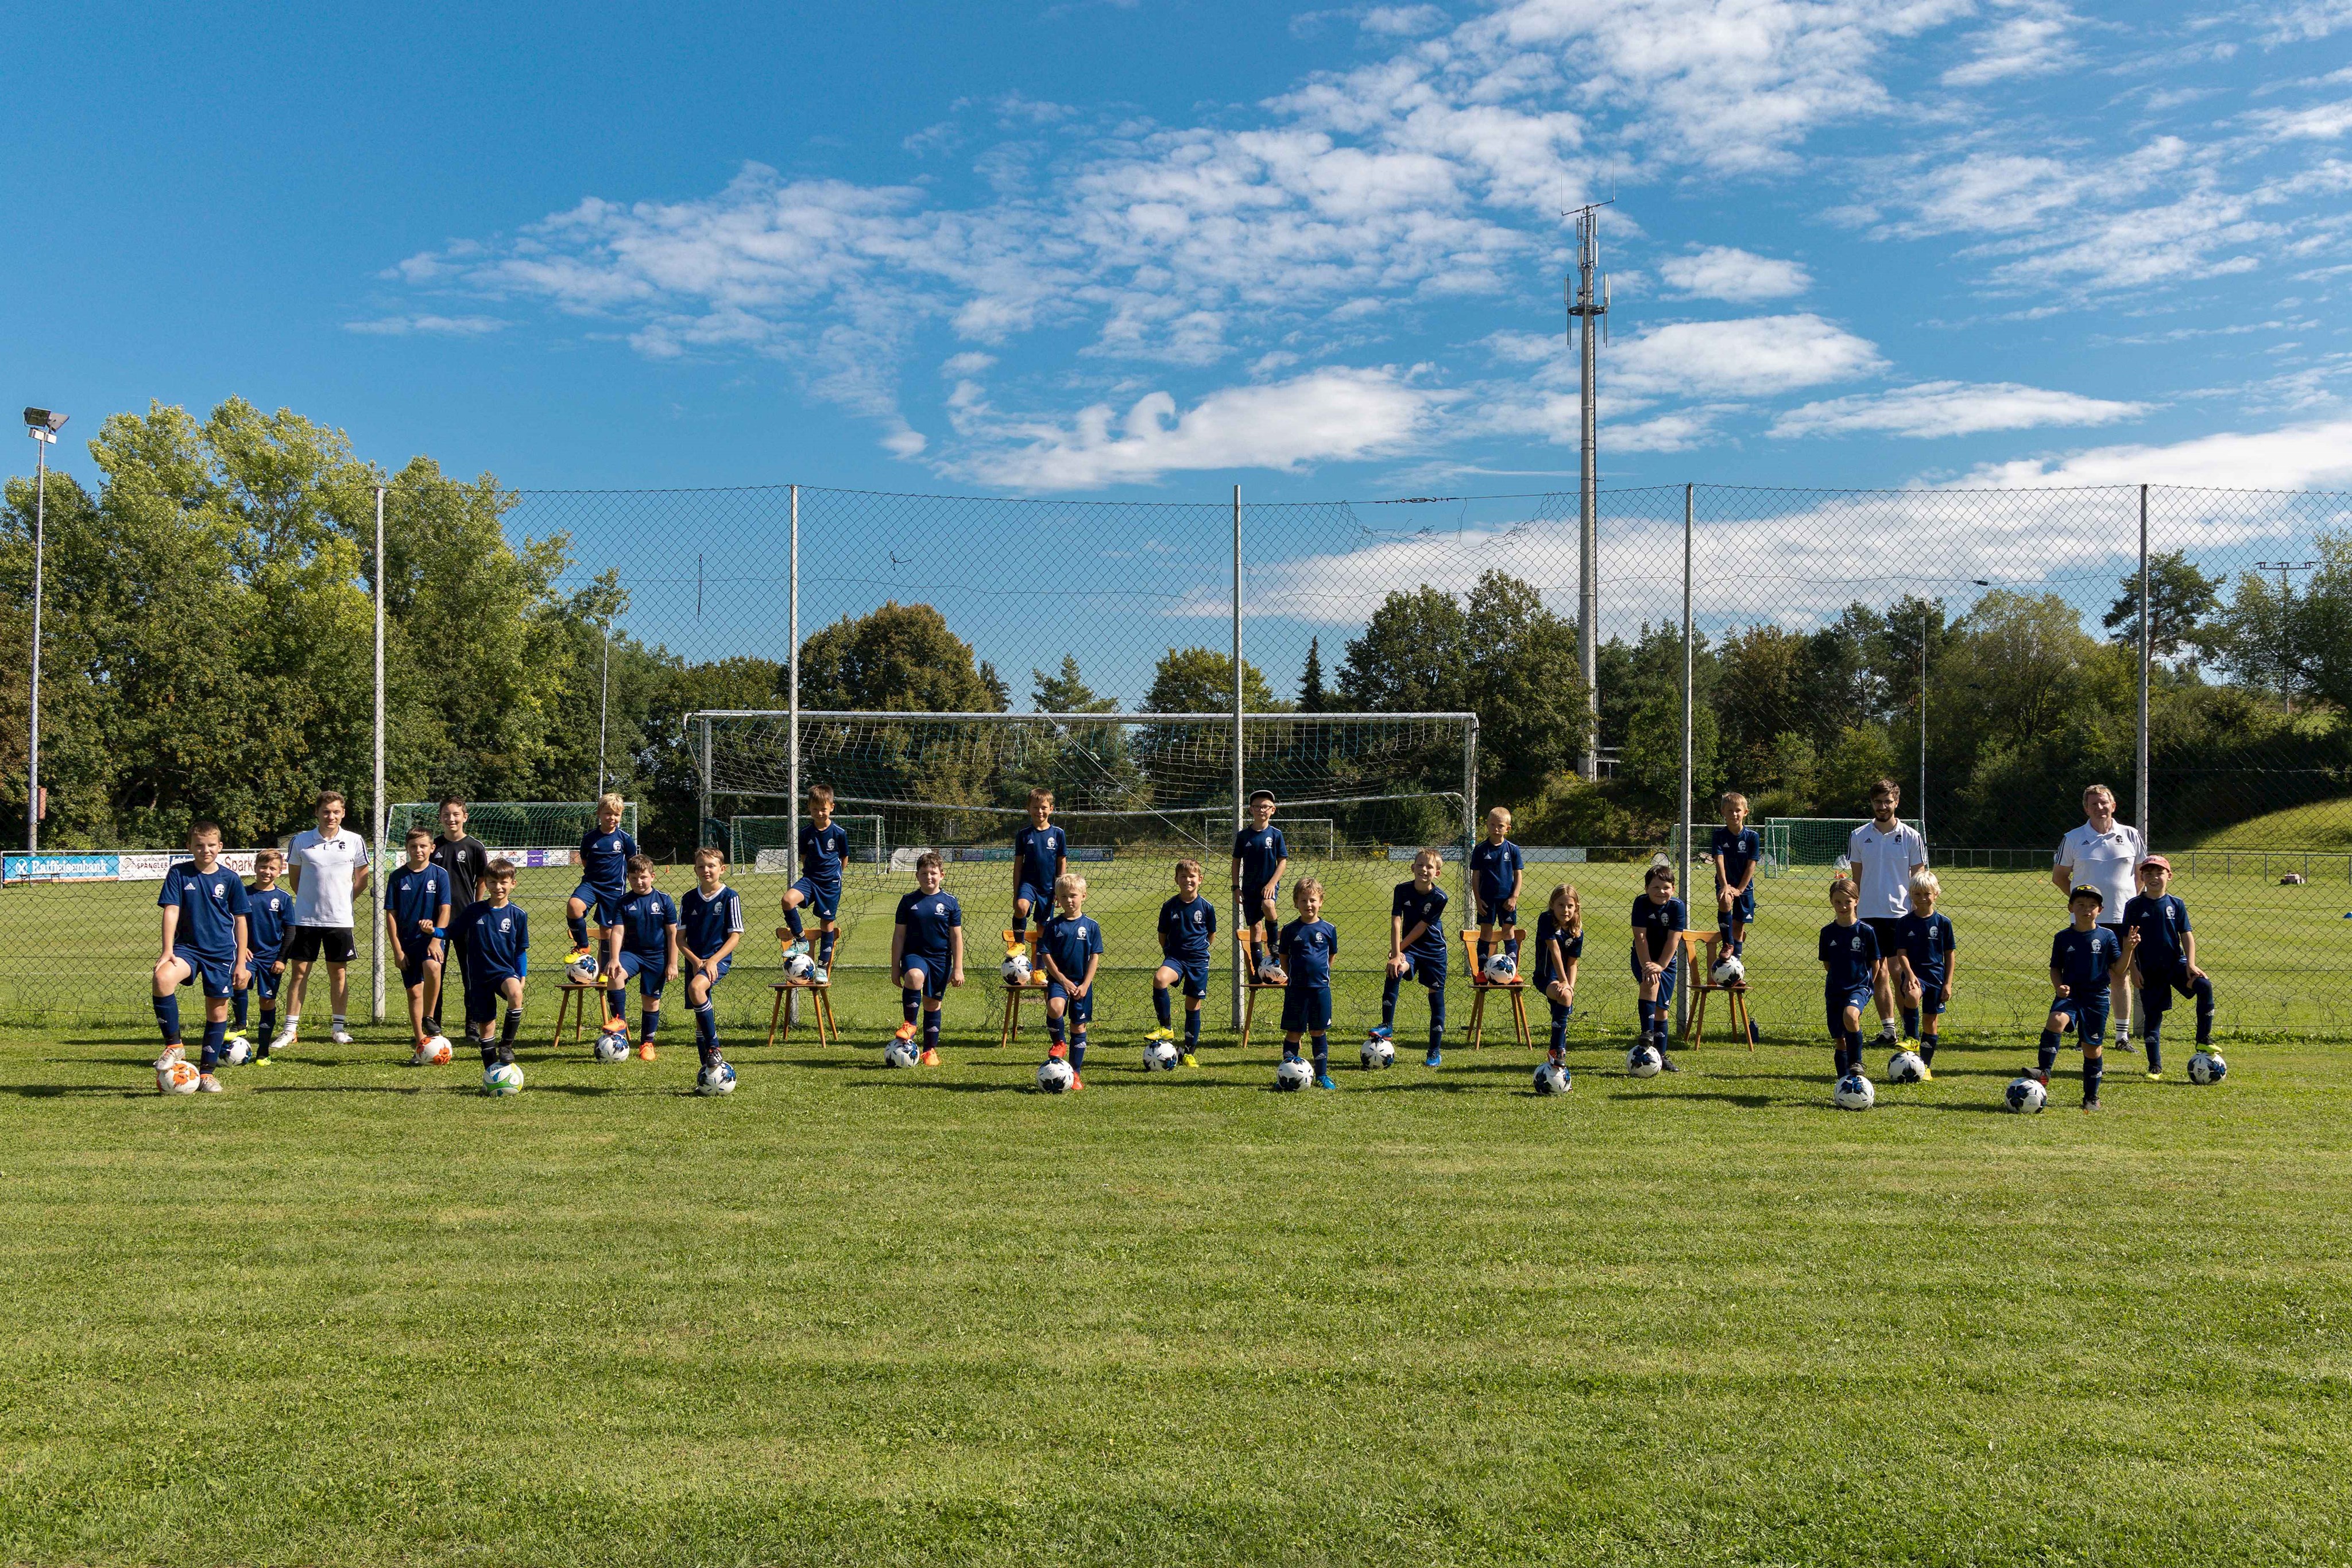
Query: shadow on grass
(76, 1091)
(1747, 1102)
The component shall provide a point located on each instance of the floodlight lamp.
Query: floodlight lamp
(43, 418)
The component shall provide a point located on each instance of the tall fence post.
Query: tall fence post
(1241, 800)
(1683, 992)
(792, 723)
(375, 927)
(2146, 647)
(702, 803)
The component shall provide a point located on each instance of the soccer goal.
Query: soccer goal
(1817, 840)
(528, 832)
(764, 845)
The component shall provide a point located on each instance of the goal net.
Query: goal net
(764, 845)
(528, 832)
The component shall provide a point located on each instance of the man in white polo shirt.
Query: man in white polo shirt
(1882, 854)
(2105, 854)
(329, 866)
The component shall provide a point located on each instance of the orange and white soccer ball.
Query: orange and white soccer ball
(177, 1078)
(434, 1053)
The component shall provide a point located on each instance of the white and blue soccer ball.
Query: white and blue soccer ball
(502, 1078)
(237, 1050)
(899, 1053)
(798, 966)
(1293, 1074)
(1551, 1079)
(1643, 1060)
(1907, 1067)
(1055, 1076)
(2207, 1067)
(1015, 969)
(1728, 970)
(2026, 1095)
(1160, 1056)
(1853, 1093)
(612, 1046)
(719, 1078)
(1270, 971)
(1501, 967)
(1379, 1053)
(585, 970)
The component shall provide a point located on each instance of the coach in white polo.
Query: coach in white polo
(1883, 853)
(329, 866)
(2105, 854)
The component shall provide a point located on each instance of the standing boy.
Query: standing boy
(709, 924)
(1924, 945)
(267, 909)
(1850, 961)
(1883, 852)
(1308, 946)
(604, 858)
(2083, 959)
(1659, 922)
(1735, 849)
(1417, 949)
(1187, 924)
(641, 942)
(824, 846)
(2103, 853)
(416, 905)
(204, 938)
(2163, 951)
(494, 936)
(467, 860)
(329, 868)
(1070, 947)
(1496, 869)
(1260, 857)
(1041, 853)
(927, 952)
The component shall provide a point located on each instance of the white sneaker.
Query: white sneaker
(340, 1036)
(208, 1084)
(819, 976)
(285, 1033)
(172, 1053)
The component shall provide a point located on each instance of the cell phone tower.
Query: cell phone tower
(1586, 297)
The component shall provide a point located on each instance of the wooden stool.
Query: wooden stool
(1252, 939)
(1516, 987)
(1011, 1031)
(1698, 950)
(822, 997)
(572, 996)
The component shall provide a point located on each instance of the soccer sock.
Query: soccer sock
(930, 1032)
(1160, 1004)
(1853, 1050)
(1388, 1001)
(167, 1018)
(1054, 1029)
(268, 1027)
(1910, 1023)
(237, 1000)
(1019, 924)
(910, 1003)
(508, 1030)
(336, 1021)
(1436, 1018)
(215, 1032)
(1558, 1027)
(706, 1026)
(2153, 1036)
(616, 1005)
(1837, 1054)
(1927, 1048)
(652, 1022)
(1078, 1048)
(793, 922)
(1723, 935)
(1511, 945)
(2093, 1069)
(490, 1051)
(579, 924)
(1191, 1028)
(2203, 991)
(1322, 1044)
(825, 946)
(1646, 1009)
(2049, 1052)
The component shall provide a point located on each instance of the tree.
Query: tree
(2180, 600)
(1650, 769)
(1311, 697)
(900, 658)
(1066, 692)
(1409, 659)
(1200, 680)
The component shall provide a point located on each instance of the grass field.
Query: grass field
(352, 1314)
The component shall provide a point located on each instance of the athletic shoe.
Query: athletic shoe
(1433, 1058)
(2123, 1043)
(1383, 1032)
(1191, 1060)
(646, 1051)
(172, 1053)
(1927, 1074)
(908, 1031)
(577, 954)
(208, 1084)
(2040, 1075)
(1058, 1052)
(287, 1032)
(1323, 1080)
(262, 1058)
(819, 976)
(2155, 1077)
(1077, 1084)
(1161, 1035)
(930, 1057)
(1666, 1063)
(2090, 1104)
(340, 1036)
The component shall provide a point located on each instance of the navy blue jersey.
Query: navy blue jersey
(1038, 855)
(1260, 851)
(1069, 943)
(267, 911)
(1571, 945)
(411, 895)
(2162, 923)
(604, 861)
(1927, 941)
(209, 902)
(1852, 954)
(2083, 957)
(706, 922)
(1185, 927)
(495, 939)
(1658, 924)
(1736, 853)
(1495, 871)
(822, 851)
(1306, 949)
(929, 917)
(1415, 907)
(645, 919)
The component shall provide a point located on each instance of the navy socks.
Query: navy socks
(167, 1018)
(214, 1034)
(793, 922)
(2049, 1053)
(2093, 1069)
(1078, 1050)
(1160, 1004)
(1910, 1023)
(1322, 1044)
(910, 1003)
(1927, 1049)
(579, 927)
(930, 1032)
(1191, 1028)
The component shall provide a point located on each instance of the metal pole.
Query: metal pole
(1240, 809)
(2146, 649)
(1587, 587)
(603, 701)
(1683, 823)
(41, 440)
(1924, 612)
(375, 927)
(792, 723)
(1471, 832)
(702, 806)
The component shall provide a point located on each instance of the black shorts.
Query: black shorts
(312, 943)
(1889, 928)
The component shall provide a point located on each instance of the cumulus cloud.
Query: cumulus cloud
(443, 325)
(1951, 408)
(2030, 40)
(1725, 272)
(2292, 457)
(1759, 356)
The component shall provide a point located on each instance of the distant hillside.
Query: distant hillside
(2320, 825)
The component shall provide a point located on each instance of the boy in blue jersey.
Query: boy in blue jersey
(1734, 848)
(1187, 924)
(1260, 857)
(204, 938)
(415, 918)
(492, 936)
(1851, 961)
(710, 926)
(1659, 922)
(927, 952)
(1039, 853)
(1496, 869)
(823, 846)
(2084, 960)
(641, 944)
(1070, 947)
(1928, 950)
(1560, 950)
(1308, 946)
(269, 909)
(1417, 949)
(602, 857)
(2158, 945)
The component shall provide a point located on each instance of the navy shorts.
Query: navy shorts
(1427, 968)
(1191, 974)
(213, 973)
(1743, 906)
(604, 904)
(1665, 979)
(1039, 899)
(1834, 1004)
(2156, 985)
(1498, 915)
(826, 904)
(1253, 899)
(647, 972)
(712, 974)
(1080, 1009)
(2087, 1014)
(483, 996)
(1306, 1009)
(936, 967)
(1931, 993)
(263, 982)
(412, 968)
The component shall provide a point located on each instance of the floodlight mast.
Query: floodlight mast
(1590, 304)
(42, 424)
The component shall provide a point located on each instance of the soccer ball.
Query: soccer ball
(1907, 1067)
(1551, 1078)
(586, 970)
(1853, 1093)
(1378, 1054)
(1293, 1074)
(1643, 1060)
(2026, 1095)
(502, 1078)
(1502, 966)
(717, 1078)
(1270, 972)
(237, 1050)
(1016, 970)
(436, 1052)
(177, 1078)
(1728, 970)
(612, 1046)
(2207, 1067)
(798, 966)
(1055, 1076)
(899, 1053)
(1160, 1056)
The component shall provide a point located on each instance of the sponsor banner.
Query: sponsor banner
(1535, 854)
(1406, 853)
(134, 867)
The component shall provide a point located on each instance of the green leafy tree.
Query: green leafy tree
(1200, 680)
(1066, 691)
(1312, 698)
(900, 658)
(1649, 770)
(2182, 601)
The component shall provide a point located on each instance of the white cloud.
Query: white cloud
(967, 364)
(1761, 356)
(1725, 272)
(2297, 22)
(2292, 457)
(1325, 415)
(1402, 21)
(2030, 41)
(446, 326)
(1951, 408)
(2322, 122)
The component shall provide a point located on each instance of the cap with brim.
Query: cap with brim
(2088, 890)
(2156, 860)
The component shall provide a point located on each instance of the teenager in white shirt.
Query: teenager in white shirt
(1883, 853)
(2106, 854)
(329, 867)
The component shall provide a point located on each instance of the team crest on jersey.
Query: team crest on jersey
(938, 909)
(220, 890)
(505, 922)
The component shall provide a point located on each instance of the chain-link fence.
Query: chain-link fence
(1985, 649)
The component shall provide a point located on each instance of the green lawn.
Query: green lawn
(349, 1312)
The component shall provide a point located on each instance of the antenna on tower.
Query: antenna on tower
(1589, 303)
